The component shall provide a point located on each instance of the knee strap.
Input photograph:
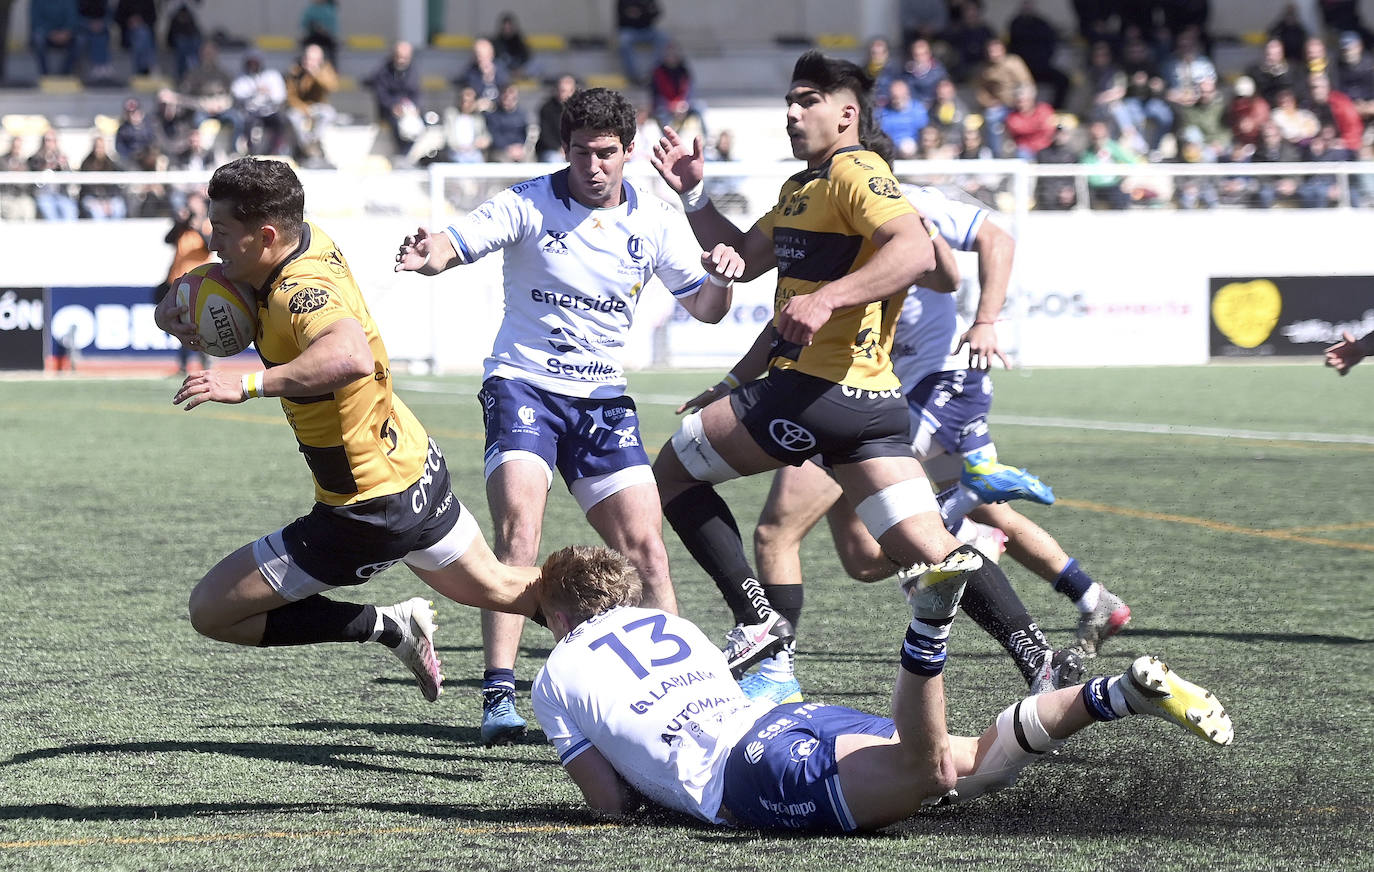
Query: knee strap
(697, 455)
(895, 503)
(1021, 740)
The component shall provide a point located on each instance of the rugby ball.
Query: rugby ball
(225, 313)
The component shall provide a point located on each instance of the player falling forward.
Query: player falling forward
(638, 702)
(382, 493)
(580, 245)
(847, 245)
(949, 397)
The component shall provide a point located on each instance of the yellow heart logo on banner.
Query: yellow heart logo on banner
(1247, 312)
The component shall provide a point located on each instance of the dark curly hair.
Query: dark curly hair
(835, 74)
(262, 192)
(599, 109)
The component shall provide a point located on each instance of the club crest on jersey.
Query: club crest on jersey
(334, 262)
(556, 245)
(884, 186)
(634, 246)
(802, 748)
(308, 300)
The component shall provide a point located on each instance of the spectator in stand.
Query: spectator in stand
(206, 91)
(1237, 190)
(1187, 16)
(1032, 38)
(1107, 191)
(184, 39)
(1273, 148)
(54, 26)
(922, 71)
(1107, 84)
(54, 202)
(1146, 102)
(1031, 122)
(152, 200)
(968, 39)
(136, 20)
(93, 37)
(549, 146)
(310, 85)
(635, 27)
(170, 119)
(1355, 69)
(902, 119)
(1272, 72)
(260, 95)
(103, 202)
(948, 110)
(1000, 76)
(320, 26)
(671, 94)
(972, 145)
(190, 241)
(16, 201)
(484, 74)
(1057, 193)
(465, 129)
(1295, 124)
(922, 19)
(1322, 190)
(932, 145)
(1344, 15)
(194, 154)
(396, 88)
(882, 66)
(1097, 21)
(1200, 118)
(135, 132)
(1316, 60)
(1189, 65)
(1337, 111)
(511, 49)
(1195, 192)
(509, 128)
(1248, 112)
(1290, 32)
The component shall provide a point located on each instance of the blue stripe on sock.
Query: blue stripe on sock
(922, 655)
(1073, 582)
(1094, 695)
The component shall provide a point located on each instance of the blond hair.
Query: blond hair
(584, 580)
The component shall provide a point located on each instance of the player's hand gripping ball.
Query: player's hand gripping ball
(225, 313)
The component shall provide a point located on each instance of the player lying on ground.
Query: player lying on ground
(382, 492)
(638, 702)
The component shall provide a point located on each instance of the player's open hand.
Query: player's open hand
(1346, 353)
(803, 315)
(414, 251)
(981, 340)
(705, 398)
(723, 262)
(209, 386)
(682, 169)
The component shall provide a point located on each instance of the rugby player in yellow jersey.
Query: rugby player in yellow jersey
(846, 244)
(382, 493)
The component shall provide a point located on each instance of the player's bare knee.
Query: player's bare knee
(866, 567)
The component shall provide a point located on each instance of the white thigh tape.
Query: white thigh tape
(697, 455)
(895, 503)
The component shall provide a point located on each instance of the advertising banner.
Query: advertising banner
(1287, 315)
(21, 328)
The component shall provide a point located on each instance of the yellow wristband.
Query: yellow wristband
(252, 384)
(731, 380)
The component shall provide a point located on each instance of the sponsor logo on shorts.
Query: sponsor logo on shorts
(371, 569)
(753, 752)
(802, 748)
(308, 300)
(790, 435)
(628, 438)
(861, 394)
(791, 809)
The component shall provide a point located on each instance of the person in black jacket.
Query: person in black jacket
(396, 87)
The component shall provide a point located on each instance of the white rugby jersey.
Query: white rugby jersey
(928, 325)
(655, 696)
(573, 276)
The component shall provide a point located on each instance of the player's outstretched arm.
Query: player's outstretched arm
(995, 248)
(426, 253)
(684, 170)
(750, 366)
(1349, 351)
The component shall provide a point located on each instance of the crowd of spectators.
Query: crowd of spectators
(1150, 92)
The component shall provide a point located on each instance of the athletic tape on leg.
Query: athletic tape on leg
(697, 455)
(895, 503)
(1021, 740)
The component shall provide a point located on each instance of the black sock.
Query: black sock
(317, 619)
(992, 603)
(786, 599)
(704, 524)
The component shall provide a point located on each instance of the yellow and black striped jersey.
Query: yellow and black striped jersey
(822, 229)
(360, 441)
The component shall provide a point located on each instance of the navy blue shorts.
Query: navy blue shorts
(581, 438)
(954, 404)
(783, 773)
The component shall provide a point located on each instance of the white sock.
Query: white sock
(1088, 601)
(779, 666)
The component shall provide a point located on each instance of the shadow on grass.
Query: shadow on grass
(458, 735)
(543, 814)
(333, 756)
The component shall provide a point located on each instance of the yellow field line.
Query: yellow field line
(1358, 525)
(1219, 526)
(206, 838)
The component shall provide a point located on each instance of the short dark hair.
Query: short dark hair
(599, 109)
(836, 74)
(261, 191)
